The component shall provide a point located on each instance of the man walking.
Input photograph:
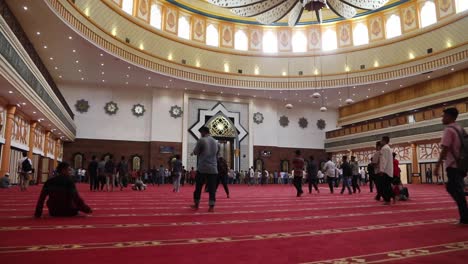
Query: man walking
(386, 170)
(312, 175)
(355, 174)
(298, 167)
(329, 171)
(207, 169)
(371, 171)
(177, 170)
(24, 171)
(376, 165)
(93, 174)
(347, 175)
(451, 145)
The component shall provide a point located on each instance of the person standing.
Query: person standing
(329, 170)
(450, 154)
(298, 167)
(223, 171)
(386, 170)
(122, 170)
(429, 175)
(25, 170)
(193, 173)
(64, 199)
(312, 175)
(110, 173)
(162, 174)
(396, 170)
(102, 173)
(376, 164)
(371, 171)
(206, 150)
(355, 174)
(177, 170)
(93, 174)
(347, 174)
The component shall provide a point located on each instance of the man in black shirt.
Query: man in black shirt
(312, 175)
(347, 174)
(371, 171)
(64, 199)
(93, 174)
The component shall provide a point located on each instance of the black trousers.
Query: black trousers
(223, 180)
(93, 182)
(455, 187)
(386, 186)
(346, 185)
(102, 180)
(210, 180)
(313, 182)
(330, 183)
(298, 184)
(355, 184)
(378, 186)
(371, 182)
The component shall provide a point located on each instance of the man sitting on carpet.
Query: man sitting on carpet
(64, 199)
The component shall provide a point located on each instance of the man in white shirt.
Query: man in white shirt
(24, 171)
(450, 153)
(329, 171)
(375, 164)
(386, 170)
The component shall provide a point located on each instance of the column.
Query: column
(32, 128)
(46, 143)
(414, 163)
(10, 119)
(56, 151)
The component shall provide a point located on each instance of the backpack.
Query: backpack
(462, 160)
(26, 165)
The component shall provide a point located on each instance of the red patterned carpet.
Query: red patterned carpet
(261, 224)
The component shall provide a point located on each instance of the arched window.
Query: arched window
(155, 18)
(127, 6)
(360, 34)
(212, 35)
(329, 41)
(299, 42)
(270, 42)
(393, 26)
(428, 14)
(240, 40)
(184, 28)
(462, 5)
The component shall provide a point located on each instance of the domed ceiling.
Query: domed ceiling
(205, 8)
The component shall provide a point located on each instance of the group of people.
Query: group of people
(383, 170)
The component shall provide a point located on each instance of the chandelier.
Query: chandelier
(270, 11)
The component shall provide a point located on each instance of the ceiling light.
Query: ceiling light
(10, 92)
(323, 109)
(126, 82)
(368, 89)
(129, 67)
(102, 64)
(101, 54)
(102, 73)
(56, 67)
(149, 78)
(383, 91)
(23, 103)
(34, 112)
(45, 46)
(339, 92)
(51, 58)
(25, 8)
(79, 70)
(288, 106)
(349, 101)
(82, 78)
(70, 37)
(103, 80)
(386, 83)
(74, 50)
(254, 96)
(429, 77)
(221, 92)
(38, 33)
(185, 88)
(60, 76)
(354, 94)
(316, 95)
(300, 101)
(127, 76)
(170, 80)
(77, 61)
(18, 105)
(367, 96)
(411, 56)
(452, 69)
(167, 86)
(202, 90)
(401, 85)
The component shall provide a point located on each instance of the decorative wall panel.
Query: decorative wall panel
(344, 34)
(376, 28)
(314, 38)
(170, 23)
(227, 36)
(143, 10)
(255, 39)
(445, 8)
(198, 29)
(409, 18)
(428, 152)
(20, 133)
(284, 40)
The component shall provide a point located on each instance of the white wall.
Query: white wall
(270, 133)
(96, 124)
(157, 124)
